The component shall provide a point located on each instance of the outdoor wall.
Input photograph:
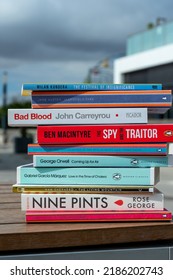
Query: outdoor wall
(152, 66)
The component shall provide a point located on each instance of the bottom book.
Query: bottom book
(97, 216)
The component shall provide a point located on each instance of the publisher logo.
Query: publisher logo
(168, 133)
(134, 161)
(116, 176)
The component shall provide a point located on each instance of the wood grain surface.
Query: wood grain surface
(15, 234)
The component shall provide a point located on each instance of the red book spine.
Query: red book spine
(84, 216)
(72, 134)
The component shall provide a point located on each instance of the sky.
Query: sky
(51, 41)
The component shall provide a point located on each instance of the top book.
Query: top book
(28, 88)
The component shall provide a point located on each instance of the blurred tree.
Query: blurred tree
(150, 25)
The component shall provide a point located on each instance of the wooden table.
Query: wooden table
(17, 236)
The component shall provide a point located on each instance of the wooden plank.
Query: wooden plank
(6, 189)
(11, 205)
(6, 186)
(11, 197)
(8, 216)
(40, 236)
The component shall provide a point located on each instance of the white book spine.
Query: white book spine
(34, 117)
(151, 201)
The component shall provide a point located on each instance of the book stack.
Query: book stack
(96, 158)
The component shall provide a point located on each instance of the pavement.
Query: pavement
(9, 161)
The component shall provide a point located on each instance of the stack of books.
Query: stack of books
(96, 158)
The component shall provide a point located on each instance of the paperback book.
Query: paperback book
(97, 216)
(27, 174)
(18, 188)
(28, 88)
(79, 134)
(101, 161)
(145, 149)
(34, 117)
(72, 202)
(107, 99)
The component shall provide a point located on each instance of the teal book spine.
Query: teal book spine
(101, 161)
(28, 88)
(27, 174)
(102, 149)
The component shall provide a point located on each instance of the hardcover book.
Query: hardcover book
(27, 174)
(79, 134)
(118, 99)
(81, 189)
(34, 117)
(102, 149)
(97, 216)
(28, 88)
(101, 161)
(72, 202)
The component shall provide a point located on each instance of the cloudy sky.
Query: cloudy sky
(60, 40)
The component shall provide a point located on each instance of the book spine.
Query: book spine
(101, 161)
(28, 88)
(70, 134)
(101, 149)
(46, 216)
(103, 99)
(81, 189)
(95, 202)
(34, 117)
(91, 176)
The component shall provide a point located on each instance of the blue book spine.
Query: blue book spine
(90, 176)
(108, 98)
(28, 88)
(147, 149)
(102, 161)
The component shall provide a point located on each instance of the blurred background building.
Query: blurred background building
(149, 57)
(102, 72)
